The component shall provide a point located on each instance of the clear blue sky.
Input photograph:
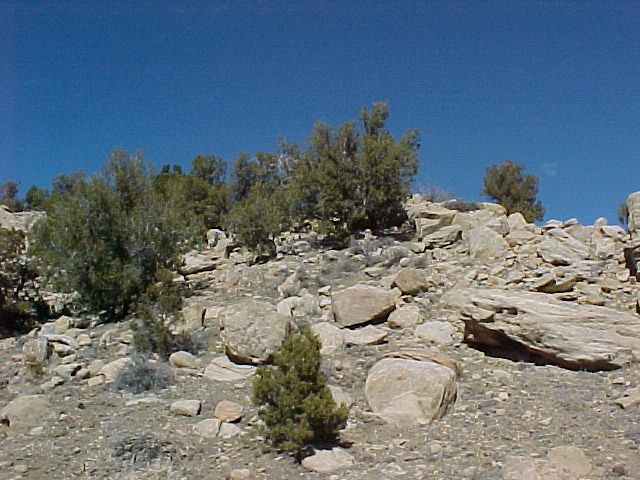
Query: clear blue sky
(554, 85)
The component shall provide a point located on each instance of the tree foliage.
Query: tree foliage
(514, 190)
(295, 403)
(9, 196)
(106, 237)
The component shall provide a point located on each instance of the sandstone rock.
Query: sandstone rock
(19, 220)
(441, 238)
(208, 428)
(429, 217)
(239, 474)
(340, 396)
(35, 354)
(221, 369)
(362, 304)
(198, 262)
(583, 337)
(409, 392)
(485, 243)
(368, 335)
(552, 284)
(228, 411)
(562, 463)
(183, 360)
(188, 408)
(331, 337)
(560, 248)
(112, 369)
(328, 461)
(63, 345)
(405, 316)
(252, 331)
(633, 207)
(193, 316)
(570, 459)
(438, 333)
(410, 281)
(26, 412)
(63, 324)
(229, 430)
(67, 370)
(631, 397)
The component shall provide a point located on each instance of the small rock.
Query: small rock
(228, 411)
(328, 461)
(222, 369)
(405, 316)
(229, 430)
(239, 474)
(368, 335)
(183, 360)
(438, 333)
(208, 428)
(95, 381)
(188, 408)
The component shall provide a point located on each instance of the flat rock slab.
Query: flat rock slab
(574, 336)
(221, 369)
(328, 461)
(252, 331)
(26, 412)
(368, 335)
(228, 411)
(188, 408)
(409, 392)
(362, 304)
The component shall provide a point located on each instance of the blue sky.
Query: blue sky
(554, 85)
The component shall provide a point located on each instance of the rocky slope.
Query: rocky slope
(483, 348)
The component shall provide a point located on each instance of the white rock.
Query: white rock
(328, 461)
(188, 408)
(221, 369)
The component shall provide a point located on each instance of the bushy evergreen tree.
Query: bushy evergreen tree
(514, 190)
(106, 237)
(295, 403)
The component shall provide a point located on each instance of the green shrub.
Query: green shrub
(106, 237)
(295, 403)
(514, 190)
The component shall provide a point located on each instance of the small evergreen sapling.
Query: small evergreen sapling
(296, 404)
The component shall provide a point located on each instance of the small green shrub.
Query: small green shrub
(295, 403)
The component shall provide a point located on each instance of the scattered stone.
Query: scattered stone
(409, 392)
(368, 335)
(183, 360)
(405, 317)
(328, 461)
(485, 243)
(208, 428)
(188, 408)
(228, 411)
(112, 369)
(362, 304)
(630, 398)
(229, 430)
(435, 332)
(252, 331)
(410, 281)
(221, 369)
(331, 337)
(25, 412)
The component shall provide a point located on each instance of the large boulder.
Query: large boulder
(428, 217)
(408, 392)
(538, 327)
(362, 304)
(633, 207)
(410, 281)
(560, 248)
(485, 243)
(252, 331)
(20, 220)
(26, 412)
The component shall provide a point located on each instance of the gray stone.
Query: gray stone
(221, 369)
(331, 337)
(328, 461)
(208, 428)
(362, 304)
(253, 330)
(405, 316)
(368, 335)
(409, 392)
(188, 408)
(183, 360)
(112, 369)
(438, 333)
(228, 411)
(26, 412)
(410, 281)
(575, 336)
(484, 243)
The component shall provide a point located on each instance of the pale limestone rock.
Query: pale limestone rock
(484, 243)
(633, 207)
(405, 317)
(26, 412)
(239, 474)
(188, 408)
(435, 332)
(410, 281)
(331, 337)
(228, 411)
(368, 335)
(253, 330)
(221, 369)
(362, 304)
(328, 461)
(569, 335)
(408, 392)
(35, 354)
(441, 238)
(229, 430)
(183, 360)
(208, 428)
(112, 369)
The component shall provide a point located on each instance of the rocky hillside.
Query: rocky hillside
(482, 348)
